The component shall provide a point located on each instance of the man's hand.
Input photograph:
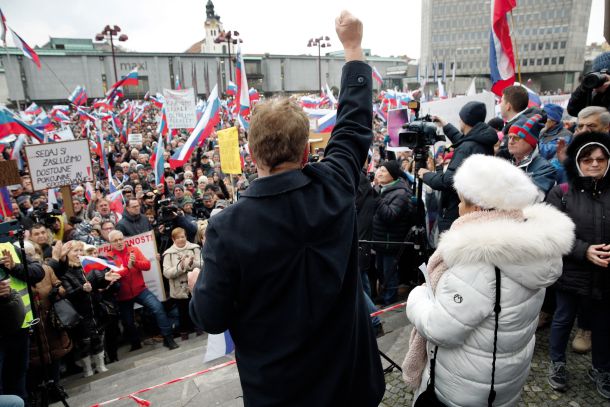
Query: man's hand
(7, 260)
(349, 30)
(87, 287)
(604, 87)
(562, 150)
(132, 260)
(439, 121)
(5, 288)
(112, 276)
(597, 255)
(421, 172)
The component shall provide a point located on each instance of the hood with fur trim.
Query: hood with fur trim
(528, 252)
(570, 164)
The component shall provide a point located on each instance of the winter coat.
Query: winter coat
(132, 280)
(547, 145)
(480, 140)
(529, 112)
(281, 273)
(541, 172)
(587, 203)
(579, 100)
(394, 216)
(460, 319)
(72, 279)
(177, 272)
(55, 343)
(133, 225)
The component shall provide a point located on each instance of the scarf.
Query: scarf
(417, 356)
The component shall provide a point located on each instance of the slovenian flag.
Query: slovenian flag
(131, 79)
(3, 28)
(11, 125)
(159, 161)
(327, 122)
(218, 346)
(231, 89)
(377, 76)
(254, 95)
(25, 48)
(501, 56)
(90, 263)
(33, 109)
(205, 127)
(78, 96)
(242, 98)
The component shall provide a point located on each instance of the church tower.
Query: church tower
(213, 27)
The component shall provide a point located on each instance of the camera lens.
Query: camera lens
(593, 80)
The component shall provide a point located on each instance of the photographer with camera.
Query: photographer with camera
(593, 90)
(474, 137)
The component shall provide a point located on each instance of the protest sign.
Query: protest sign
(59, 164)
(9, 173)
(396, 118)
(228, 143)
(64, 134)
(134, 139)
(449, 109)
(147, 245)
(180, 108)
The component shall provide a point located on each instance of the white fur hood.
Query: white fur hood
(527, 252)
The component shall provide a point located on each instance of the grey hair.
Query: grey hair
(604, 115)
(114, 233)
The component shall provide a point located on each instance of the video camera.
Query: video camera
(48, 219)
(199, 209)
(419, 133)
(168, 212)
(594, 80)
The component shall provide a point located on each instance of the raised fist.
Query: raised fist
(349, 31)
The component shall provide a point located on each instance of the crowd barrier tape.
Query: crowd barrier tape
(147, 403)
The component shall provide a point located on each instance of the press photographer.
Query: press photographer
(593, 90)
(474, 137)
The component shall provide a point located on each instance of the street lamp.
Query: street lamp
(320, 42)
(109, 33)
(230, 37)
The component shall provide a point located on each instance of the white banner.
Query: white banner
(180, 108)
(59, 164)
(64, 134)
(449, 109)
(134, 139)
(147, 245)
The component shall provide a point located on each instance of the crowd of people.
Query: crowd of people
(505, 201)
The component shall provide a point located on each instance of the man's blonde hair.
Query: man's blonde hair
(279, 132)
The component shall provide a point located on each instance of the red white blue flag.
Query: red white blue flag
(11, 125)
(242, 98)
(159, 162)
(501, 56)
(26, 49)
(78, 96)
(3, 28)
(91, 263)
(377, 76)
(131, 79)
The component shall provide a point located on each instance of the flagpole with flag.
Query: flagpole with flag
(516, 46)
(501, 54)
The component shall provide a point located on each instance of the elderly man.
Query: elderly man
(133, 290)
(293, 298)
(133, 222)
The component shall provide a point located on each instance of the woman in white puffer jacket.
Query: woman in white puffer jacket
(498, 226)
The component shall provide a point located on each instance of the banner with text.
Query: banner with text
(180, 108)
(59, 164)
(228, 143)
(147, 245)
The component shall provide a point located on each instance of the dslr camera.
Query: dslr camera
(594, 80)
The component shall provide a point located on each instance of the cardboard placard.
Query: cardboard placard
(228, 142)
(59, 164)
(9, 173)
(147, 245)
(180, 108)
(134, 139)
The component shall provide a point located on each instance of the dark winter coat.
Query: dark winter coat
(281, 273)
(542, 173)
(72, 280)
(480, 140)
(133, 225)
(394, 216)
(579, 100)
(587, 202)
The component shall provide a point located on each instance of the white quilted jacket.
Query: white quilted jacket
(460, 318)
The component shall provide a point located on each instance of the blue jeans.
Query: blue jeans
(148, 300)
(387, 267)
(14, 357)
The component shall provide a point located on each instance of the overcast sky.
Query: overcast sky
(392, 27)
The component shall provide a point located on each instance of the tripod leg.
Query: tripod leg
(392, 366)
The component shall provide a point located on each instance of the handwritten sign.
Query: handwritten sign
(228, 143)
(134, 139)
(147, 245)
(180, 108)
(59, 164)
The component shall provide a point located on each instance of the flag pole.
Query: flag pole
(514, 38)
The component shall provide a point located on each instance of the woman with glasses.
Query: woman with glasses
(585, 199)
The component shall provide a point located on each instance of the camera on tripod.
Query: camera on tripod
(594, 80)
(419, 133)
(167, 213)
(48, 219)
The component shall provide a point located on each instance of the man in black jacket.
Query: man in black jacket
(476, 137)
(133, 222)
(599, 96)
(281, 265)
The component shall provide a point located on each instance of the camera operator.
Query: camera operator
(14, 348)
(474, 137)
(593, 90)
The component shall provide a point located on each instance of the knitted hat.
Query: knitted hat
(393, 168)
(473, 112)
(494, 183)
(528, 128)
(602, 61)
(553, 112)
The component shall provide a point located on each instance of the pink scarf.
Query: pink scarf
(415, 361)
